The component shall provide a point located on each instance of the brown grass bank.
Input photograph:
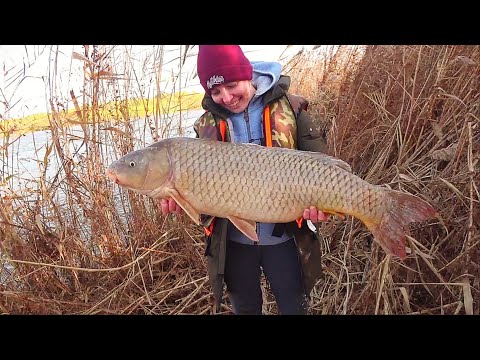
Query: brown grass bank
(408, 117)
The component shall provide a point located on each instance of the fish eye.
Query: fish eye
(132, 163)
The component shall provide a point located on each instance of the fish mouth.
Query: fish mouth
(112, 175)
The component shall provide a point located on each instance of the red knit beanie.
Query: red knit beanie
(218, 64)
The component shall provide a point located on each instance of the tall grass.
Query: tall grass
(71, 244)
(408, 117)
(403, 116)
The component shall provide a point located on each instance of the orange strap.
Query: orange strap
(268, 126)
(223, 129)
(299, 222)
(223, 133)
(209, 230)
(268, 142)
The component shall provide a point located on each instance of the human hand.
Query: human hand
(169, 205)
(314, 215)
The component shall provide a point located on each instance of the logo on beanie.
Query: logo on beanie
(215, 80)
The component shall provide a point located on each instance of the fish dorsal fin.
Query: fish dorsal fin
(327, 159)
(324, 158)
(189, 210)
(247, 227)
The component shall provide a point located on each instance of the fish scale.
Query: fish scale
(292, 180)
(250, 183)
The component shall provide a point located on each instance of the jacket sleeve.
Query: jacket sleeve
(311, 135)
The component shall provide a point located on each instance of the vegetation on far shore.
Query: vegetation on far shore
(120, 110)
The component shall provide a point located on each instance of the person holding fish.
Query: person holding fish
(248, 102)
(255, 172)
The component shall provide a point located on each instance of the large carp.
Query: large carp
(251, 183)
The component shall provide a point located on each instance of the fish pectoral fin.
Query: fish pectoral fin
(190, 211)
(248, 227)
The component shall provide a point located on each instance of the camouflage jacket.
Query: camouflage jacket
(291, 127)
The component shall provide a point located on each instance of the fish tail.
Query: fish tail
(401, 209)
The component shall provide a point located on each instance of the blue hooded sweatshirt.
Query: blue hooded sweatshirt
(248, 128)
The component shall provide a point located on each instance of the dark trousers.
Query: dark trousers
(281, 266)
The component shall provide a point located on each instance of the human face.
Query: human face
(234, 96)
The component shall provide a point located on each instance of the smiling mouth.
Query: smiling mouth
(234, 105)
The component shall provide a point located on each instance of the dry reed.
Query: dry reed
(408, 117)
